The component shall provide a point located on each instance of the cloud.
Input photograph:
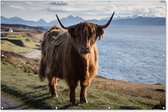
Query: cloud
(29, 3)
(69, 9)
(58, 3)
(84, 9)
(138, 8)
(90, 10)
(17, 7)
(55, 10)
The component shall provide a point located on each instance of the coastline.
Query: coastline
(102, 77)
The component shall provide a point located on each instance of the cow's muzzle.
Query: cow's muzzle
(85, 49)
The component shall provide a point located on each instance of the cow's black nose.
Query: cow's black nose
(84, 47)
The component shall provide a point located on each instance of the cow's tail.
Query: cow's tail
(42, 69)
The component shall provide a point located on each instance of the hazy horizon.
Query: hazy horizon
(35, 10)
(116, 18)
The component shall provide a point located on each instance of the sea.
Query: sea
(133, 53)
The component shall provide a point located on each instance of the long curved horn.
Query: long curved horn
(63, 25)
(107, 24)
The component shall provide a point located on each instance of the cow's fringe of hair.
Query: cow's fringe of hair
(42, 70)
(56, 47)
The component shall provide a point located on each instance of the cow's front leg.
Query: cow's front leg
(72, 94)
(83, 94)
(52, 86)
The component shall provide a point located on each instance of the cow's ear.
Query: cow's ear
(72, 32)
(99, 32)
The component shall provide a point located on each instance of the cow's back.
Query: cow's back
(54, 47)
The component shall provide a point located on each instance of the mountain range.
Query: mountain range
(71, 20)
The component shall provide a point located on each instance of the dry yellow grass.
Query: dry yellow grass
(153, 91)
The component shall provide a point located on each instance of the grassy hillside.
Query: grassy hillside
(25, 85)
(18, 42)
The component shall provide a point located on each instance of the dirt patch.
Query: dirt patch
(7, 102)
(36, 54)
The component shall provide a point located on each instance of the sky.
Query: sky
(87, 9)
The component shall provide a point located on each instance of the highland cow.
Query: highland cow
(70, 53)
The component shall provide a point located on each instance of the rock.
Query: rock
(161, 90)
(158, 84)
(159, 107)
(133, 95)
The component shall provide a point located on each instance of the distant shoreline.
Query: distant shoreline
(102, 77)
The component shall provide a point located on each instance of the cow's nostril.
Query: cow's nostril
(87, 48)
(84, 47)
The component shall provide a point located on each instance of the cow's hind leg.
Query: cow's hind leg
(52, 86)
(83, 94)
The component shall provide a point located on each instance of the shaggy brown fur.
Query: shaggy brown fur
(71, 55)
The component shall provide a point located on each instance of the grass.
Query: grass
(34, 94)
(8, 46)
(29, 43)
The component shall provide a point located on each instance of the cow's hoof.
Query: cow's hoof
(53, 95)
(83, 101)
(74, 103)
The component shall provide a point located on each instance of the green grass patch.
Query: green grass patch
(13, 37)
(34, 94)
(8, 46)
(29, 44)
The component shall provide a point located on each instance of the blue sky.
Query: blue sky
(34, 10)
